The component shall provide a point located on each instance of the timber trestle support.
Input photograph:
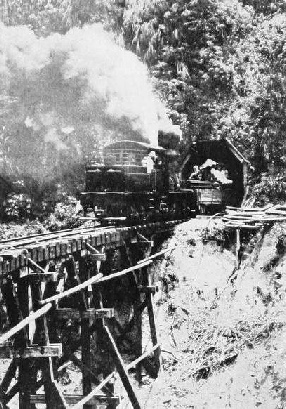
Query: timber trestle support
(74, 299)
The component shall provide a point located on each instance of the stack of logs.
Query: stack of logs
(253, 218)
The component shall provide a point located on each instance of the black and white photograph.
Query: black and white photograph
(142, 204)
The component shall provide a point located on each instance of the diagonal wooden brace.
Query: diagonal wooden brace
(122, 371)
(144, 239)
(43, 272)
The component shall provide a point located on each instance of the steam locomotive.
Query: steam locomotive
(134, 183)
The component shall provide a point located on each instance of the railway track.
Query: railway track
(19, 252)
(18, 242)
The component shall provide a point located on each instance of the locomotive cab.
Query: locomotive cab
(127, 166)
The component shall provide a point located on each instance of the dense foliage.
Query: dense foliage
(186, 45)
(48, 16)
(218, 64)
(270, 190)
(20, 210)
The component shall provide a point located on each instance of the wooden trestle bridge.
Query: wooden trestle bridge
(76, 297)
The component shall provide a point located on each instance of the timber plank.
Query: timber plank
(58, 249)
(73, 246)
(13, 264)
(74, 399)
(68, 247)
(41, 253)
(79, 243)
(121, 370)
(52, 251)
(63, 248)
(91, 313)
(46, 253)
(86, 359)
(34, 351)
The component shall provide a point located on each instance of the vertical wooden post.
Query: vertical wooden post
(85, 336)
(53, 396)
(13, 311)
(41, 335)
(238, 247)
(26, 382)
(23, 295)
(152, 323)
(135, 280)
(138, 323)
(50, 289)
(78, 300)
(86, 358)
(14, 314)
(157, 352)
(102, 336)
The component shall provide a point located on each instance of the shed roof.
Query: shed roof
(236, 152)
(225, 141)
(126, 142)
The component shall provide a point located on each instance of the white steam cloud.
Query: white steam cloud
(81, 78)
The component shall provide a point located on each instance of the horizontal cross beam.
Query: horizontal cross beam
(34, 351)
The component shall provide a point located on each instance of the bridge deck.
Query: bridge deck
(15, 253)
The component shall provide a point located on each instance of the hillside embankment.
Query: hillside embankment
(222, 329)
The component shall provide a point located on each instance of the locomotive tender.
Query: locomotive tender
(132, 184)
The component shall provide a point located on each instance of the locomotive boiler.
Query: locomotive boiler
(133, 183)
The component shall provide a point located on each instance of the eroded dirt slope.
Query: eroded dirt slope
(222, 331)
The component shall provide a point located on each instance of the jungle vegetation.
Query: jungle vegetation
(219, 65)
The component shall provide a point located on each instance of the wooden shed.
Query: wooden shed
(224, 152)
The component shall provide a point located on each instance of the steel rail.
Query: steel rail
(50, 237)
(16, 242)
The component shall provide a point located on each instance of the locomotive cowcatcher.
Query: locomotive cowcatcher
(133, 183)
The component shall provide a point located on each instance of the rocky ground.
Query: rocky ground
(222, 330)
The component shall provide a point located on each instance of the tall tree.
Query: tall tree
(185, 43)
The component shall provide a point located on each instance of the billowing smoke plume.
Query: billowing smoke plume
(69, 91)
